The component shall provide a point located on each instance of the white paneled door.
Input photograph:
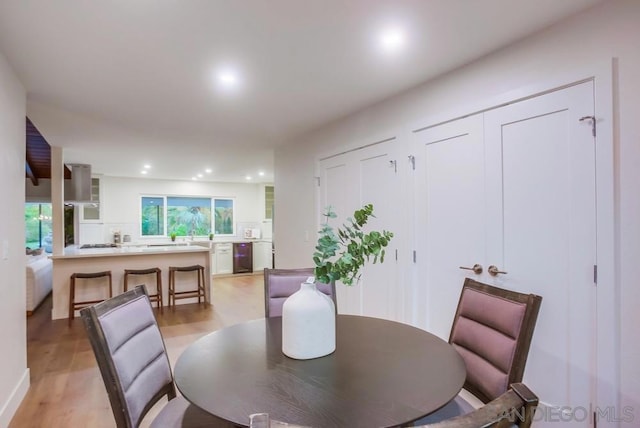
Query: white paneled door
(514, 187)
(540, 178)
(347, 182)
(450, 217)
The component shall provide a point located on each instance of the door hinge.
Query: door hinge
(412, 160)
(317, 181)
(595, 274)
(396, 254)
(415, 257)
(395, 165)
(592, 119)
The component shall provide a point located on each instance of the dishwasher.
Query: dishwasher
(242, 257)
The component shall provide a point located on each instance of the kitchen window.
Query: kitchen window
(224, 218)
(186, 216)
(153, 220)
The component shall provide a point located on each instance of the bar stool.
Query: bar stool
(157, 297)
(73, 305)
(198, 292)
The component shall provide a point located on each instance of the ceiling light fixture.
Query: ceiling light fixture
(248, 177)
(228, 79)
(392, 39)
(194, 178)
(147, 166)
(143, 171)
(261, 174)
(208, 170)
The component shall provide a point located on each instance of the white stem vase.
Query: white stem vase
(308, 324)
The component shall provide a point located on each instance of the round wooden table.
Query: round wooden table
(383, 373)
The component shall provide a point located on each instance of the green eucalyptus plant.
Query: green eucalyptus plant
(341, 254)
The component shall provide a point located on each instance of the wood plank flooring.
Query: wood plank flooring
(66, 388)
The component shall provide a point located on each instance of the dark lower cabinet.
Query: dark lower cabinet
(242, 257)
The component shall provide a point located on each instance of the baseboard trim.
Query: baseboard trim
(9, 408)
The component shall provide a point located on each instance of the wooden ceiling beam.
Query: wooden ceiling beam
(30, 173)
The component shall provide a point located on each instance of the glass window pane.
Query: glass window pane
(37, 219)
(225, 224)
(152, 216)
(189, 216)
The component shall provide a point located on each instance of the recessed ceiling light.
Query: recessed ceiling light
(392, 39)
(248, 177)
(143, 171)
(208, 170)
(228, 79)
(147, 166)
(261, 174)
(199, 175)
(194, 178)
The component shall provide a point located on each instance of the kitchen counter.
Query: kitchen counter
(72, 252)
(116, 260)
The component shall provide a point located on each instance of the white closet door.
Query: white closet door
(378, 185)
(347, 182)
(337, 190)
(540, 180)
(449, 200)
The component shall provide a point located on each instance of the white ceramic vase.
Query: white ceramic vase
(308, 324)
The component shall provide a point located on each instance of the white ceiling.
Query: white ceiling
(121, 83)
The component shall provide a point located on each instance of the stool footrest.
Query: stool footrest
(183, 294)
(80, 305)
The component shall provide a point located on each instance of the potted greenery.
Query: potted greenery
(351, 245)
(172, 236)
(308, 316)
(211, 237)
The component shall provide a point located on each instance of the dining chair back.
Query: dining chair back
(133, 361)
(492, 331)
(282, 283)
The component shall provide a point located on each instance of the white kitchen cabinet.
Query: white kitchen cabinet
(91, 212)
(224, 258)
(262, 256)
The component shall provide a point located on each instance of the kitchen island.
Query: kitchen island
(117, 260)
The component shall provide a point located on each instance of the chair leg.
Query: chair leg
(172, 287)
(159, 288)
(72, 298)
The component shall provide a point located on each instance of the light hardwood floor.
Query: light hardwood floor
(66, 388)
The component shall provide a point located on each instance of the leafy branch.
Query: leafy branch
(340, 255)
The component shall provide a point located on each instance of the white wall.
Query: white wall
(594, 37)
(14, 375)
(121, 201)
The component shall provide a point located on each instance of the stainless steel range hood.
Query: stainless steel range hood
(78, 189)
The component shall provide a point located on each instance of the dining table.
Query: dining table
(383, 373)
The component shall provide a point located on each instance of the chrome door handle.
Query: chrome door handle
(494, 271)
(477, 268)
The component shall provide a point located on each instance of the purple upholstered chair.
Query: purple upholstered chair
(492, 331)
(133, 362)
(282, 283)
